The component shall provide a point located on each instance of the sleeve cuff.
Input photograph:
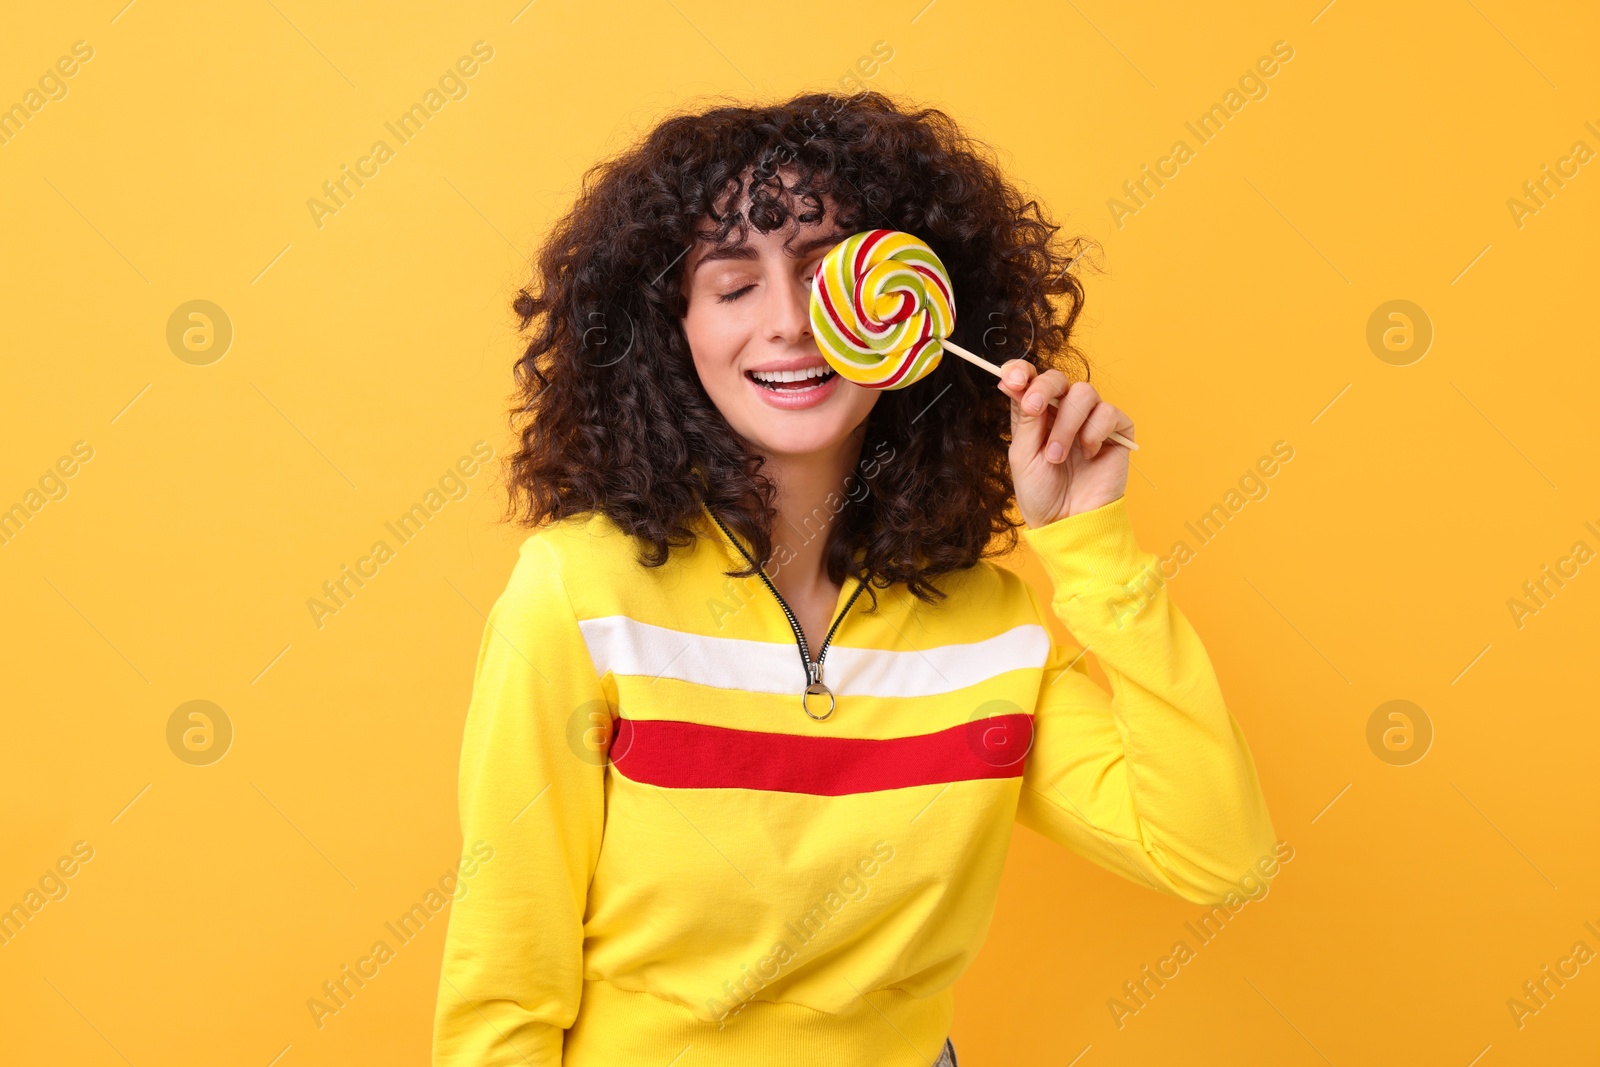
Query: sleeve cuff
(1094, 552)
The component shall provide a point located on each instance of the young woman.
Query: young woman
(755, 714)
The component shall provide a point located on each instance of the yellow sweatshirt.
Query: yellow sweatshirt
(691, 870)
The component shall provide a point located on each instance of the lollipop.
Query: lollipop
(882, 310)
(880, 306)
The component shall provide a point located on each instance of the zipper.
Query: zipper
(814, 684)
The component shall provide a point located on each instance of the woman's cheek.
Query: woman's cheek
(715, 344)
(727, 334)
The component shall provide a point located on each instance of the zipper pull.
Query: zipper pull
(816, 688)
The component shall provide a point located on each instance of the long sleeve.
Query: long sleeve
(531, 788)
(1153, 781)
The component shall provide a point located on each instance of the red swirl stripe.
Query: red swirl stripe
(911, 357)
(863, 260)
(833, 313)
(933, 276)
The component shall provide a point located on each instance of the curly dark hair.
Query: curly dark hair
(611, 414)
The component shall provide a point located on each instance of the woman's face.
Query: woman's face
(748, 322)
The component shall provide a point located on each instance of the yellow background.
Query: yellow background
(371, 353)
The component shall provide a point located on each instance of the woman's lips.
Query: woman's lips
(792, 399)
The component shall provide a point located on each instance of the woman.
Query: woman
(704, 851)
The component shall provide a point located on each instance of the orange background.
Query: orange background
(369, 354)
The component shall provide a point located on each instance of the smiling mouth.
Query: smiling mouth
(811, 381)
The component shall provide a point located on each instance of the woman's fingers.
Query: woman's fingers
(1040, 423)
(1015, 374)
(1079, 417)
(1077, 402)
(1017, 380)
(1036, 426)
(1097, 428)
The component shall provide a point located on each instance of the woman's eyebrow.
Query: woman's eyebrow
(817, 242)
(747, 252)
(726, 252)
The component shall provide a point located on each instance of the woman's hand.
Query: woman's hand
(1062, 462)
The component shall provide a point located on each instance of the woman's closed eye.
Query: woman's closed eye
(808, 276)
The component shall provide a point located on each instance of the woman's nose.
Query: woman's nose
(789, 309)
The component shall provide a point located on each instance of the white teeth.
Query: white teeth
(789, 375)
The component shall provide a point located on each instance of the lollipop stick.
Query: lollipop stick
(979, 361)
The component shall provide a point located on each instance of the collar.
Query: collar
(725, 538)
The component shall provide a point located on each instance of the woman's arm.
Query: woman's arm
(1155, 781)
(534, 790)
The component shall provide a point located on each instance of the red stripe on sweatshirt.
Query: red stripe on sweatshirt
(687, 755)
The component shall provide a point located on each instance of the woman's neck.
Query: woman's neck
(811, 494)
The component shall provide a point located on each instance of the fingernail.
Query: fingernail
(1015, 378)
(1054, 452)
(1032, 405)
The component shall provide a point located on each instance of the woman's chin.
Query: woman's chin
(818, 427)
(805, 433)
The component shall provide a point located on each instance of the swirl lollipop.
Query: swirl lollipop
(880, 306)
(882, 310)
